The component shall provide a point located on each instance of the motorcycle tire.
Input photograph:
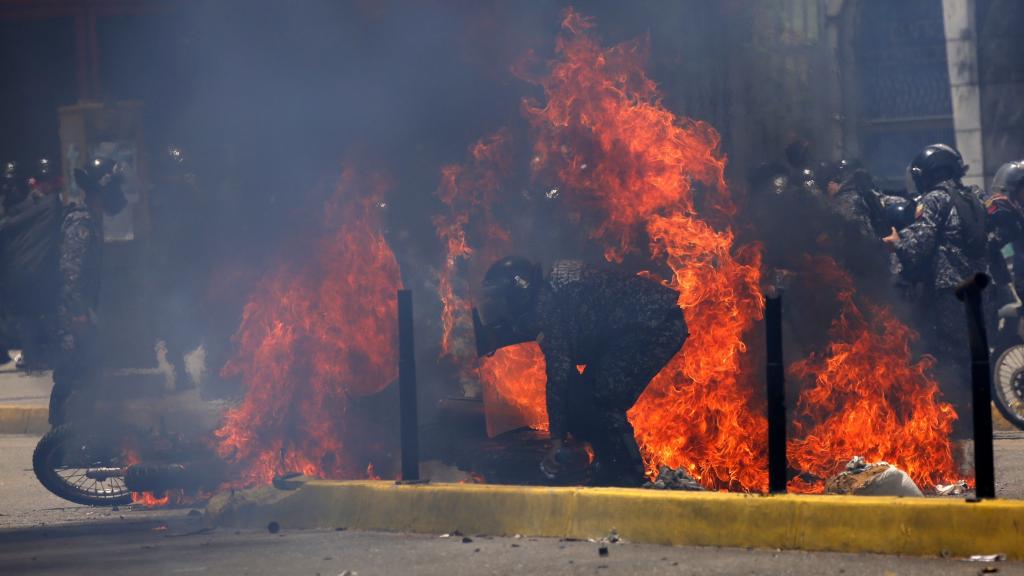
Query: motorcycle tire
(81, 467)
(1008, 384)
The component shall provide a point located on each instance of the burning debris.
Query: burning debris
(674, 479)
(874, 479)
(869, 396)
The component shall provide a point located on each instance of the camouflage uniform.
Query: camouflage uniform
(1005, 226)
(77, 366)
(849, 205)
(625, 329)
(936, 254)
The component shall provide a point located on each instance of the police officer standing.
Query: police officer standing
(1006, 221)
(624, 328)
(851, 196)
(946, 243)
(77, 367)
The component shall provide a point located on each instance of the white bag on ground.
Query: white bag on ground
(876, 479)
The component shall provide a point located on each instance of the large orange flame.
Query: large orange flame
(315, 332)
(469, 191)
(654, 184)
(605, 134)
(867, 397)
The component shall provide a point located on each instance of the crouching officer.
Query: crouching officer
(623, 328)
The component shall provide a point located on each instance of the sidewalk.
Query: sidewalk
(24, 399)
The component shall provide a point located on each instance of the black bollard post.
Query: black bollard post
(969, 292)
(776, 376)
(407, 389)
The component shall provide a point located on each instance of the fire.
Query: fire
(867, 397)
(148, 500)
(469, 191)
(604, 134)
(313, 334)
(371, 474)
(522, 394)
(650, 186)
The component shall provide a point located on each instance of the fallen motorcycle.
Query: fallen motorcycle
(107, 451)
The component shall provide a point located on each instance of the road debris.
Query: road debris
(871, 479)
(273, 527)
(987, 558)
(954, 489)
(602, 551)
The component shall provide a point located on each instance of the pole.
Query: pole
(776, 376)
(969, 292)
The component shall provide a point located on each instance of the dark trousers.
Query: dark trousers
(76, 369)
(944, 333)
(608, 388)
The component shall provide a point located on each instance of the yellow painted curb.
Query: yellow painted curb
(17, 419)
(916, 526)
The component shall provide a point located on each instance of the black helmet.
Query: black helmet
(935, 164)
(508, 295)
(102, 176)
(899, 212)
(176, 154)
(1009, 179)
(95, 174)
(174, 160)
(12, 187)
(44, 168)
(840, 171)
(769, 177)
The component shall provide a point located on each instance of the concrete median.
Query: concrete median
(914, 526)
(23, 419)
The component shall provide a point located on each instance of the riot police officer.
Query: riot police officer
(1005, 216)
(77, 367)
(851, 196)
(946, 243)
(624, 328)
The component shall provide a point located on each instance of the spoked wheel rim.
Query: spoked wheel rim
(86, 469)
(94, 482)
(1008, 384)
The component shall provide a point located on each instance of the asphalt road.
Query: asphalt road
(182, 547)
(41, 534)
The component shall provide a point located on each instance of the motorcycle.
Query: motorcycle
(109, 449)
(1008, 363)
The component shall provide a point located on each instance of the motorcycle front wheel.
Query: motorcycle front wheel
(1008, 384)
(81, 466)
